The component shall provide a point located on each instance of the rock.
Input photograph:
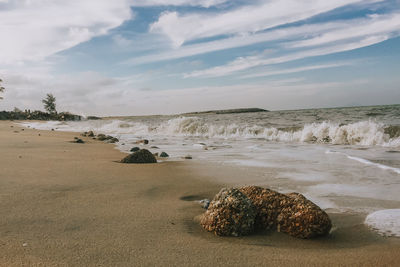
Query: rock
(141, 156)
(299, 217)
(90, 134)
(188, 157)
(267, 203)
(143, 141)
(134, 149)
(164, 155)
(101, 137)
(155, 147)
(289, 213)
(155, 154)
(112, 140)
(109, 137)
(230, 213)
(78, 141)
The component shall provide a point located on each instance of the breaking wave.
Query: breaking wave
(365, 133)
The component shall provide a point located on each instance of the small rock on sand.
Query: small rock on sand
(78, 141)
(101, 137)
(141, 156)
(164, 155)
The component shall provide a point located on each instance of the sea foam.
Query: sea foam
(364, 133)
(386, 222)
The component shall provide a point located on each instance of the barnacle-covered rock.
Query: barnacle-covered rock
(230, 213)
(267, 203)
(141, 156)
(299, 217)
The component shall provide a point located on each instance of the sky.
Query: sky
(138, 57)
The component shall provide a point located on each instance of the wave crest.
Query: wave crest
(365, 133)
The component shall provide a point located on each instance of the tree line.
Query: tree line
(51, 113)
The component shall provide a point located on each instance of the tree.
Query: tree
(50, 103)
(1, 88)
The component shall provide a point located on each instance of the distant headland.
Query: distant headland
(228, 111)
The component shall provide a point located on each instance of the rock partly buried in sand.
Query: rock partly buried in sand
(90, 134)
(134, 149)
(230, 213)
(299, 217)
(141, 156)
(267, 203)
(164, 155)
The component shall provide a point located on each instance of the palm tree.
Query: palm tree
(1, 88)
(50, 103)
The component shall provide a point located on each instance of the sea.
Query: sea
(346, 160)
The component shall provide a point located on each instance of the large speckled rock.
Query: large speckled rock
(141, 156)
(267, 203)
(230, 213)
(302, 218)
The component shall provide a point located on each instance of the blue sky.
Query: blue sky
(131, 57)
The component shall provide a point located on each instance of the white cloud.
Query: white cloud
(236, 41)
(182, 28)
(375, 25)
(243, 63)
(295, 70)
(33, 30)
(203, 3)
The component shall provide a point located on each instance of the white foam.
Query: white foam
(386, 222)
(366, 162)
(366, 133)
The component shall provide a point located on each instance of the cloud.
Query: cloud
(236, 41)
(33, 30)
(294, 70)
(244, 63)
(375, 25)
(203, 3)
(345, 36)
(183, 28)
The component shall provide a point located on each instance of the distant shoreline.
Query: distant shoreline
(227, 111)
(241, 110)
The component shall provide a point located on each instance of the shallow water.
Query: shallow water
(344, 159)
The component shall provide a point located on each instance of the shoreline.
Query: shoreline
(72, 204)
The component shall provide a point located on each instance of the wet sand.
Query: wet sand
(67, 204)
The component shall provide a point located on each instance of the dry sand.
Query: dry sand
(67, 204)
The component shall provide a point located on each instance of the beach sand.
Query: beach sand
(68, 204)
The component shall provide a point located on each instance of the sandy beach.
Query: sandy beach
(68, 204)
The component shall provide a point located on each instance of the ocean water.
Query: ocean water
(344, 159)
